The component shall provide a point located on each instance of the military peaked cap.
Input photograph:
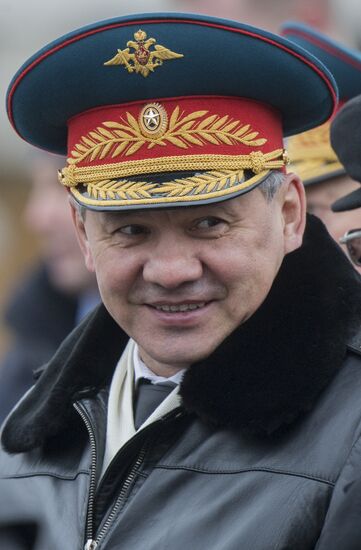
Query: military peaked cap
(164, 110)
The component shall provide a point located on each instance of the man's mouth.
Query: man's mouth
(172, 308)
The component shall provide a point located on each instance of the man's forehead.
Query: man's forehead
(232, 207)
(224, 206)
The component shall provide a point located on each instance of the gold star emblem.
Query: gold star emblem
(153, 120)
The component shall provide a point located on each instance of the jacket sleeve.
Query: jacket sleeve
(342, 528)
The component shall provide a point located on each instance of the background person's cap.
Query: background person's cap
(160, 110)
(311, 154)
(346, 141)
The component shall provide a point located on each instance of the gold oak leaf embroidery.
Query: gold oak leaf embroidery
(125, 138)
(202, 184)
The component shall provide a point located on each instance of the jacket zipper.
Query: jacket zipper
(127, 483)
(92, 543)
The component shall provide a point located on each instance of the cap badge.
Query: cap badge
(153, 120)
(142, 60)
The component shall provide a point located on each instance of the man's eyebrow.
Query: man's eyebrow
(111, 217)
(216, 209)
(225, 207)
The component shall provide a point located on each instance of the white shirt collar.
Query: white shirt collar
(120, 420)
(142, 371)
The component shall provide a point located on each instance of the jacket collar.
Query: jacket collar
(261, 378)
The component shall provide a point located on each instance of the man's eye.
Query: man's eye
(207, 223)
(132, 230)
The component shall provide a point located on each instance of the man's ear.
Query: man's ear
(293, 212)
(80, 228)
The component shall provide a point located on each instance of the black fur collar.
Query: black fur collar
(262, 377)
(276, 364)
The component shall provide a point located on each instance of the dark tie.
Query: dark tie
(147, 398)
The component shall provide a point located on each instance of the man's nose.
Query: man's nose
(172, 264)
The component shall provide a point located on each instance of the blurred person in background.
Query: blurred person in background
(348, 150)
(55, 296)
(343, 526)
(312, 156)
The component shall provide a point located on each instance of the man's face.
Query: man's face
(321, 196)
(179, 281)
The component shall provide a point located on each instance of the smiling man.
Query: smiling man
(191, 275)
(212, 400)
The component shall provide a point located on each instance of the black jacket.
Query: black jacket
(250, 460)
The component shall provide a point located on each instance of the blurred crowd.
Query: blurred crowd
(55, 293)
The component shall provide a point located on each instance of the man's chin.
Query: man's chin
(176, 358)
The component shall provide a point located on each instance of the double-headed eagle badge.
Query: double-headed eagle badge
(142, 61)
